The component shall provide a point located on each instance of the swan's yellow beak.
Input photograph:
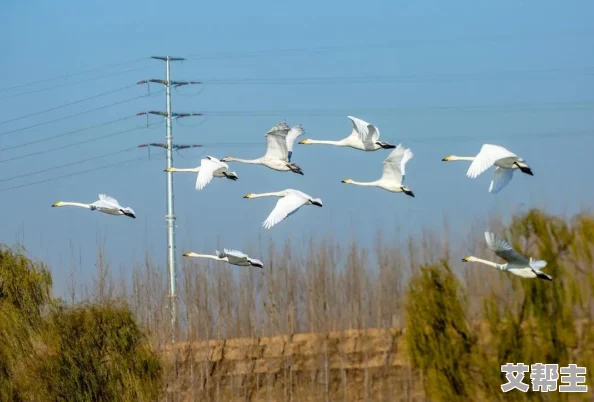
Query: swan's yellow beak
(346, 181)
(167, 170)
(57, 204)
(187, 254)
(466, 259)
(248, 195)
(303, 141)
(447, 158)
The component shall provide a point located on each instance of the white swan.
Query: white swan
(393, 175)
(290, 202)
(507, 162)
(517, 264)
(105, 204)
(279, 141)
(209, 167)
(233, 257)
(291, 135)
(364, 137)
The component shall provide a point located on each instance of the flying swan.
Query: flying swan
(290, 202)
(393, 175)
(105, 204)
(209, 167)
(507, 162)
(279, 149)
(517, 264)
(232, 257)
(292, 134)
(364, 137)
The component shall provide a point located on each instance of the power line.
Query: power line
(369, 46)
(445, 77)
(79, 113)
(416, 139)
(75, 173)
(65, 76)
(68, 104)
(67, 133)
(71, 145)
(345, 111)
(234, 54)
(67, 164)
(74, 82)
(259, 144)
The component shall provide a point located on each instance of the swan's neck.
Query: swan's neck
(194, 170)
(210, 257)
(73, 204)
(358, 183)
(274, 194)
(340, 143)
(486, 262)
(253, 161)
(460, 158)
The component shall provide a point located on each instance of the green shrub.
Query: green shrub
(437, 335)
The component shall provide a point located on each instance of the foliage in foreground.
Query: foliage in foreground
(462, 321)
(437, 336)
(67, 353)
(524, 321)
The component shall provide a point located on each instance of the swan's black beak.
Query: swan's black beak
(385, 145)
(527, 170)
(408, 192)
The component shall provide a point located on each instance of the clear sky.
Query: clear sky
(454, 75)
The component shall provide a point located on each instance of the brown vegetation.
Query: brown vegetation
(404, 321)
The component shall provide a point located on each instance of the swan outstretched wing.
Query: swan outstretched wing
(395, 163)
(280, 127)
(500, 179)
(363, 130)
(405, 158)
(276, 145)
(284, 207)
(487, 156)
(537, 265)
(235, 253)
(293, 134)
(107, 200)
(235, 256)
(504, 250)
(208, 166)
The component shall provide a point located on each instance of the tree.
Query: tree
(25, 289)
(437, 336)
(98, 353)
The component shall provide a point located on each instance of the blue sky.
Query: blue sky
(528, 64)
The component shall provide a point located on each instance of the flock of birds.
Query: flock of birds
(364, 137)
